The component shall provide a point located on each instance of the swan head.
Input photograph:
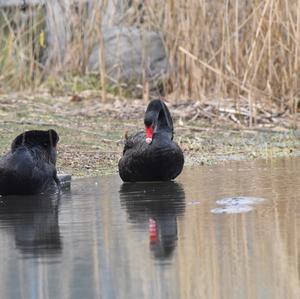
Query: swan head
(157, 118)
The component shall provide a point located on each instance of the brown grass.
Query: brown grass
(242, 51)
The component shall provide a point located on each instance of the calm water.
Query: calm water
(105, 239)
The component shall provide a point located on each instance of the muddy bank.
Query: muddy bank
(91, 132)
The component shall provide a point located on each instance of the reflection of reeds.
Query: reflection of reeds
(253, 255)
(243, 50)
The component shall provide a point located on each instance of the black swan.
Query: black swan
(29, 167)
(152, 156)
(156, 206)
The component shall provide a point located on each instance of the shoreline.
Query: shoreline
(92, 132)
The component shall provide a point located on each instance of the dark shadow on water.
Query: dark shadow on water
(156, 205)
(33, 220)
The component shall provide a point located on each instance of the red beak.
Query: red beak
(149, 134)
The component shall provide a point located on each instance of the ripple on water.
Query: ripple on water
(240, 200)
(238, 204)
(232, 209)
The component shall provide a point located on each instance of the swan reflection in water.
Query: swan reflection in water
(155, 205)
(33, 220)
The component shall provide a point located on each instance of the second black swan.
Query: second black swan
(152, 155)
(29, 167)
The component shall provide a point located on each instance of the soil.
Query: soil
(92, 131)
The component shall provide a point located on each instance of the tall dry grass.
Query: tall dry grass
(21, 44)
(246, 51)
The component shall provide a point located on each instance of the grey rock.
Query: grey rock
(65, 181)
(130, 54)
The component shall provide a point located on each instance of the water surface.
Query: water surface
(106, 239)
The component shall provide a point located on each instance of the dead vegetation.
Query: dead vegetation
(238, 60)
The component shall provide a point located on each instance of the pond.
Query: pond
(224, 231)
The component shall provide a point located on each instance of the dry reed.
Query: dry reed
(242, 51)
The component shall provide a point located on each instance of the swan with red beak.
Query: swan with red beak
(152, 155)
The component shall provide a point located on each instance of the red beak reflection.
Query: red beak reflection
(152, 231)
